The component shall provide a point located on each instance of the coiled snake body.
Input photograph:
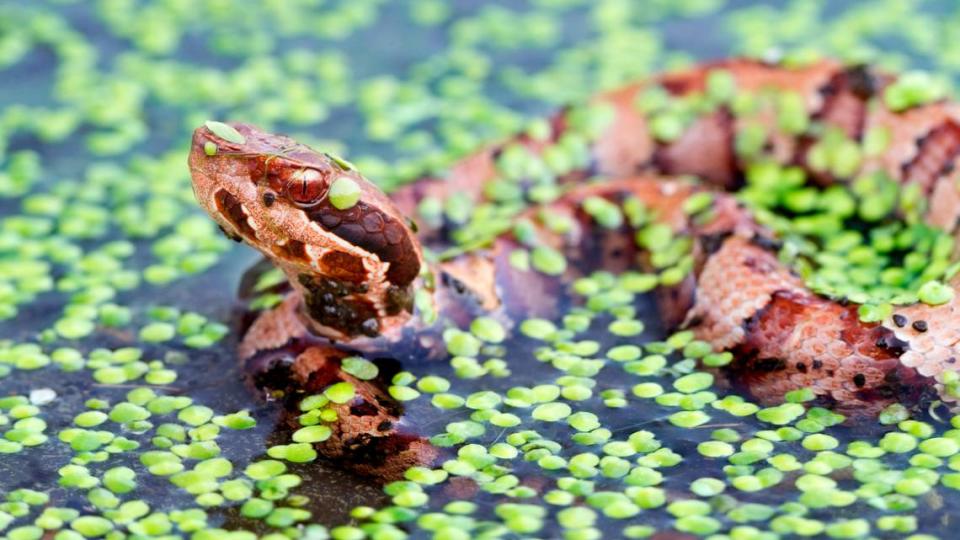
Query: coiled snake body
(360, 281)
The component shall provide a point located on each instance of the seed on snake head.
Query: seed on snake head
(344, 193)
(306, 186)
(920, 326)
(342, 163)
(225, 132)
(899, 320)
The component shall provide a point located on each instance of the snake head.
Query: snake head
(353, 260)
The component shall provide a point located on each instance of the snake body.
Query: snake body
(354, 273)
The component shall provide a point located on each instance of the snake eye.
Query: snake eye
(306, 186)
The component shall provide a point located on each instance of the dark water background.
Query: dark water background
(212, 377)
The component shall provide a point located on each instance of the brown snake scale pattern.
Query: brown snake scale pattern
(354, 272)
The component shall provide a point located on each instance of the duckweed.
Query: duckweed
(225, 131)
(551, 412)
(344, 193)
(341, 392)
(548, 260)
(935, 293)
(360, 368)
(558, 396)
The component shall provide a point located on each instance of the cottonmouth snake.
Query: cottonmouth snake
(360, 281)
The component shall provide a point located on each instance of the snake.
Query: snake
(364, 275)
